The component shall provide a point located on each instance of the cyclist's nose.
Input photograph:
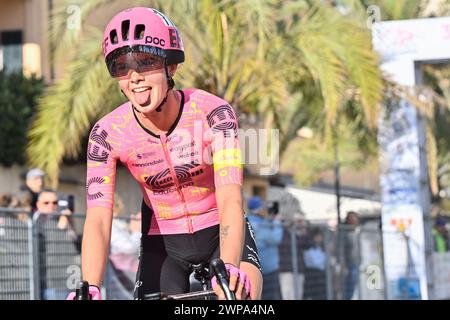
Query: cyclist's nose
(136, 76)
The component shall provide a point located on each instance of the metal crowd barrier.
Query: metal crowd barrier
(40, 258)
(346, 264)
(353, 266)
(16, 259)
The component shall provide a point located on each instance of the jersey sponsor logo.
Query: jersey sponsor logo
(147, 164)
(98, 147)
(145, 155)
(222, 119)
(97, 195)
(162, 182)
(174, 38)
(188, 155)
(183, 147)
(155, 40)
(227, 158)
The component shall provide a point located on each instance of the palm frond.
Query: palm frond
(67, 110)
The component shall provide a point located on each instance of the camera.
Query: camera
(67, 203)
(273, 207)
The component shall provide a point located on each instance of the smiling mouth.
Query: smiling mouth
(142, 89)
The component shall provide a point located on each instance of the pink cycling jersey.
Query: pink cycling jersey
(178, 172)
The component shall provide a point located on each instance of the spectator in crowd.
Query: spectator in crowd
(47, 203)
(268, 233)
(34, 184)
(124, 257)
(441, 235)
(9, 200)
(351, 254)
(295, 229)
(58, 244)
(315, 265)
(12, 201)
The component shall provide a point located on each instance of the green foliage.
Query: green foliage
(437, 78)
(18, 100)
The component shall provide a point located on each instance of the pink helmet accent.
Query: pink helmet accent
(144, 26)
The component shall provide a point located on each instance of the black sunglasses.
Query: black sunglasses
(52, 202)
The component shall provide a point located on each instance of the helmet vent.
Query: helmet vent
(113, 36)
(139, 32)
(125, 29)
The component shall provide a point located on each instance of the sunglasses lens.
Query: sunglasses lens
(137, 61)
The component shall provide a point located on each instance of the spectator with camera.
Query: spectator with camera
(47, 203)
(268, 233)
(58, 244)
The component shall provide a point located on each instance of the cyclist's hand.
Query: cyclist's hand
(239, 283)
(94, 294)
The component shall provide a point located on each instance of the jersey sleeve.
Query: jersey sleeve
(226, 152)
(101, 168)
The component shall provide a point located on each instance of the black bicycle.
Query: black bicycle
(202, 273)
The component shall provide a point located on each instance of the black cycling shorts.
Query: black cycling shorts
(165, 262)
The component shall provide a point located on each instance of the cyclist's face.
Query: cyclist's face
(146, 90)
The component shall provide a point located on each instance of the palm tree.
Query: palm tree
(436, 109)
(288, 61)
(336, 66)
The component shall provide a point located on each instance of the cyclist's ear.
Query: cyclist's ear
(172, 68)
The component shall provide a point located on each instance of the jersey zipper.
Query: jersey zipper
(163, 139)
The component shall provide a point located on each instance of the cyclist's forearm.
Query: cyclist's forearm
(231, 225)
(95, 247)
(232, 237)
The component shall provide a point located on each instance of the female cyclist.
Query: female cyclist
(182, 148)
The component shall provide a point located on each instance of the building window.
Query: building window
(11, 51)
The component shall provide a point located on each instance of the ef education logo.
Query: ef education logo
(162, 182)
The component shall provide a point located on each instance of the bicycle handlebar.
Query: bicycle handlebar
(82, 292)
(218, 268)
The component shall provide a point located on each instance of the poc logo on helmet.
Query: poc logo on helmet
(154, 40)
